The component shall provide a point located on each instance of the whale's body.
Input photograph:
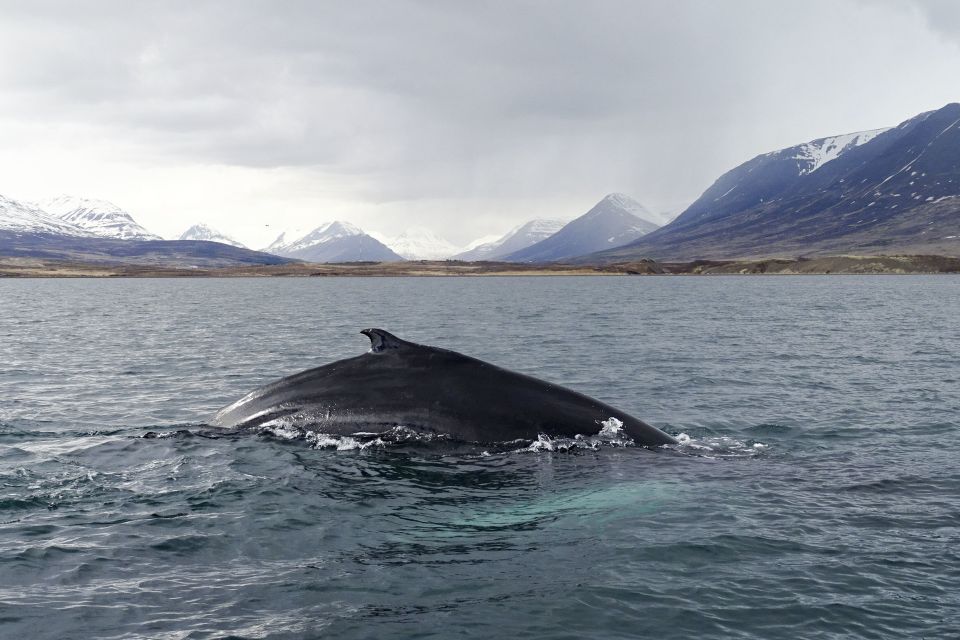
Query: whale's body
(431, 391)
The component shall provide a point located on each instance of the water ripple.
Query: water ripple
(813, 493)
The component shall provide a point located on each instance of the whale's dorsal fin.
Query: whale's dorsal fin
(381, 340)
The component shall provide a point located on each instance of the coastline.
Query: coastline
(823, 265)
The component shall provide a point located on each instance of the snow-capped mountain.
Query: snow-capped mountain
(100, 217)
(418, 243)
(324, 234)
(29, 232)
(22, 218)
(334, 242)
(209, 234)
(880, 191)
(520, 237)
(614, 221)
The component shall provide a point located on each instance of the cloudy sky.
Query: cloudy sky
(465, 117)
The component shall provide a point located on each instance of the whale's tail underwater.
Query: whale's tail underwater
(431, 391)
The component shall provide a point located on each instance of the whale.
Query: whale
(431, 391)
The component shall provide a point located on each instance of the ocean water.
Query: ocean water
(815, 492)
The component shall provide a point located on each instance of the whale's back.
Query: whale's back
(430, 390)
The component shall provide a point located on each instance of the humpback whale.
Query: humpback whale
(432, 391)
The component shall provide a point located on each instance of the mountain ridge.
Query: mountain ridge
(22, 217)
(612, 222)
(518, 238)
(898, 190)
(100, 217)
(335, 241)
(27, 232)
(205, 233)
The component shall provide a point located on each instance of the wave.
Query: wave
(610, 435)
(718, 447)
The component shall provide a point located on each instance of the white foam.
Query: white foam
(542, 443)
(611, 434)
(717, 446)
(612, 428)
(283, 431)
(328, 441)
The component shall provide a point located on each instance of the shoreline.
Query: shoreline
(823, 265)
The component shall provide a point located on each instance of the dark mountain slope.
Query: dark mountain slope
(174, 253)
(612, 222)
(898, 191)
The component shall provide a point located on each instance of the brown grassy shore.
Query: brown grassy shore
(821, 265)
(31, 268)
(35, 268)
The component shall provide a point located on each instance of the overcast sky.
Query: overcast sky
(466, 117)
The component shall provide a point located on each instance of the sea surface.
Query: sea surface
(815, 492)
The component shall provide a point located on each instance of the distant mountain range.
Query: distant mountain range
(98, 232)
(334, 242)
(209, 234)
(419, 243)
(518, 238)
(885, 191)
(614, 221)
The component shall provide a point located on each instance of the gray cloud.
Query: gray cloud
(440, 100)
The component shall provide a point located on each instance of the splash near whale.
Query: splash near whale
(431, 391)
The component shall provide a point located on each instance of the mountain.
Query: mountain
(28, 232)
(100, 217)
(418, 243)
(99, 250)
(482, 240)
(334, 242)
(885, 191)
(516, 239)
(209, 234)
(21, 218)
(614, 221)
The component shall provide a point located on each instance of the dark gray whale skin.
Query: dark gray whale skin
(429, 390)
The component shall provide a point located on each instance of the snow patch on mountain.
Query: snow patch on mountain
(813, 155)
(100, 217)
(209, 234)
